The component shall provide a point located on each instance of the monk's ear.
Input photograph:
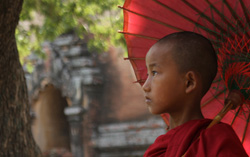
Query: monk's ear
(190, 81)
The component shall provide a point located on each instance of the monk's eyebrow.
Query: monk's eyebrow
(152, 65)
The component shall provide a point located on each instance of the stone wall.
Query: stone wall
(127, 139)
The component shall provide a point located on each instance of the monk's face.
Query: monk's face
(165, 85)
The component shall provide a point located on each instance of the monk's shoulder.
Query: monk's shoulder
(221, 140)
(221, 130)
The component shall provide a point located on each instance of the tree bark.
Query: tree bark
(16, 139)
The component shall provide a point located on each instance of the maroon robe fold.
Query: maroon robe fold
(195, 140)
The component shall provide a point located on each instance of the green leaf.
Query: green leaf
(98, 20)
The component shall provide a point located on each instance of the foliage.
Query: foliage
(42, 20)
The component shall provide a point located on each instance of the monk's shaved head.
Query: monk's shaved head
(193, 52)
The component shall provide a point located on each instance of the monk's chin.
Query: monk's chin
(155, 112)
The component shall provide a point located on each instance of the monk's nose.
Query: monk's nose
(146, 85)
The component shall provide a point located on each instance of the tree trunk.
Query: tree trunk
(16, 139)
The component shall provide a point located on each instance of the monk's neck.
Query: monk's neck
(177, 119)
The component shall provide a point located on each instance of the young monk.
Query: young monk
(181, 68)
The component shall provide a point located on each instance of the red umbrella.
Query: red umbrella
(225, 23)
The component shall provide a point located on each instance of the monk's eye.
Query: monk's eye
(154, 73)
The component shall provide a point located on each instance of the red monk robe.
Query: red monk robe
(217, 141)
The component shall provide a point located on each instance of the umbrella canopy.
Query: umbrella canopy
(225, 23)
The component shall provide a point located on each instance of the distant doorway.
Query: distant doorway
(50, 127)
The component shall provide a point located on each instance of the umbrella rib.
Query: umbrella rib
(215, 96)
(131, 58)
(217, 80)
(138, 35)
(234, 15)
(140, 81)
(154, 20)
(245, 12)
(221, 15)
(206, 17)
(236, 115)
(245, 129)
(136, 72)
(190, 20)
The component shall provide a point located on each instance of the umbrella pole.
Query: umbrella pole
(221, 114)
(234, 99)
